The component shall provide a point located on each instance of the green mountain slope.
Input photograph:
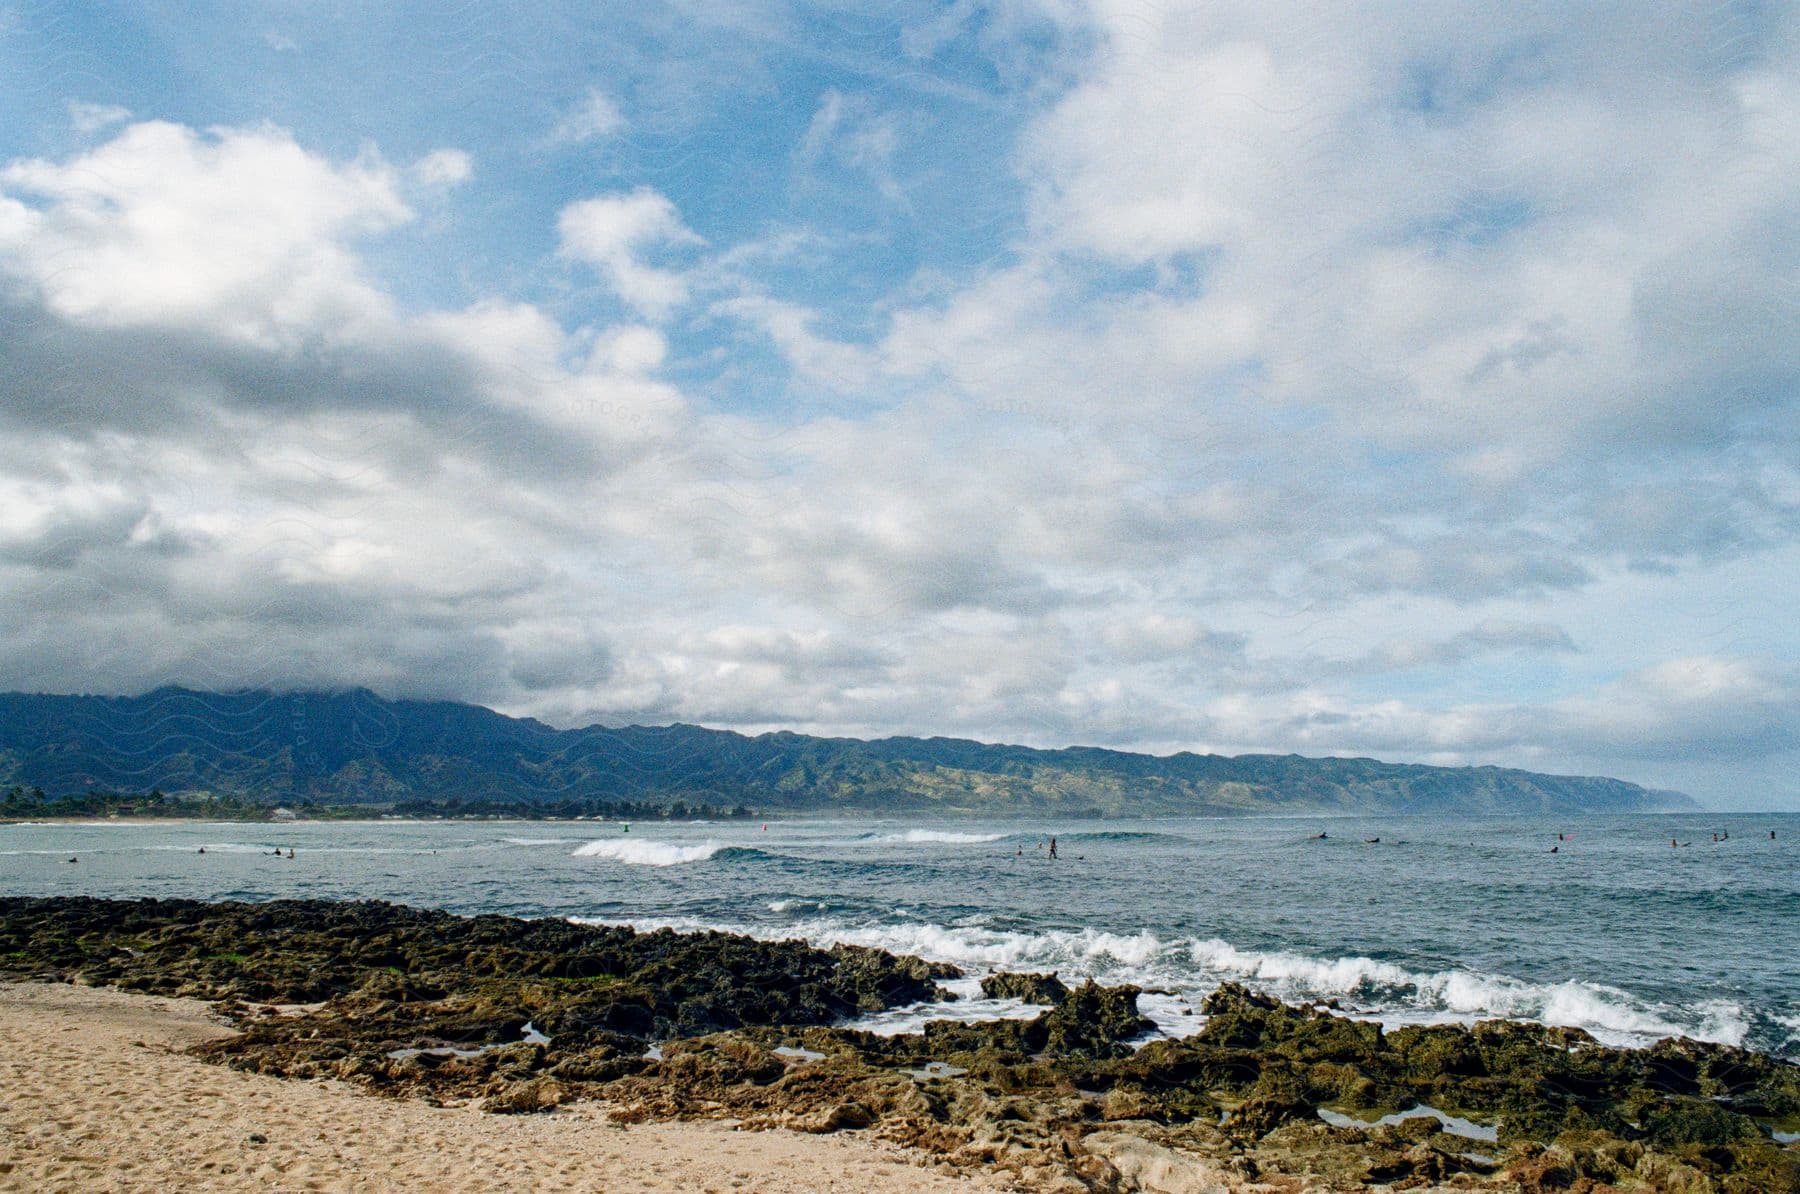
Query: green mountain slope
(355, 747)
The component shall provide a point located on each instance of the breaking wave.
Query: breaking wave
(783, 907)
(1385, 988)
(648, 853)
(940, 835)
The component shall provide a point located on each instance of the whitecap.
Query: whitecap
(975, 946)
(638, 852)
(940, 836)
(785, 906)
(1394, 994)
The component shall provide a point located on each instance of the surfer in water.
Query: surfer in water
(1053, 847)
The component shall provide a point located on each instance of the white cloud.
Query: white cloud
(1491, 635)
(851, 132)
(613, 232)
(239, 230)
(814, 358)
(443, 168)
(631, 349)
(91, 118)
(594, 117)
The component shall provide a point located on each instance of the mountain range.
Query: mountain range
(357, 748)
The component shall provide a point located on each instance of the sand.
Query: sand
(99, 1095)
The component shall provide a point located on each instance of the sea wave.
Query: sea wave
(979, 947)
(1122, 835)
(940, 835)
(783, 907)
(640, 852)
(1381, 987)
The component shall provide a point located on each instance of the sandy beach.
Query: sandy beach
(101, 1096)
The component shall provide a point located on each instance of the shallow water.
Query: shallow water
(1441, 920)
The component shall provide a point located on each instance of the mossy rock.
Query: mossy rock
(1046, 989)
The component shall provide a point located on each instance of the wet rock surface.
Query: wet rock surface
(1045, 989)
(425, 1004)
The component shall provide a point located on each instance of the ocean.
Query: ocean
(1439, 920)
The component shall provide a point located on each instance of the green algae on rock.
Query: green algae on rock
(1044, 989)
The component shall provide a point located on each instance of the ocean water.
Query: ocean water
(1439, 920)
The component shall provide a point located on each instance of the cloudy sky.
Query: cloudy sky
(1411, 380)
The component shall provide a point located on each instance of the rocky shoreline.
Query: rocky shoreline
(527, 1015)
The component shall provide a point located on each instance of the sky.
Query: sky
(1414, 381)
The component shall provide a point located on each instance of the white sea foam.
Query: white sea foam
(639, 852)
(940, 835)
(534, 841)
(977, 947)
(1607, 1012)
(786, 906)
(1455, 1125)
(968, 1005)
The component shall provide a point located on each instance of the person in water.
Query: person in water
(1053, 847)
